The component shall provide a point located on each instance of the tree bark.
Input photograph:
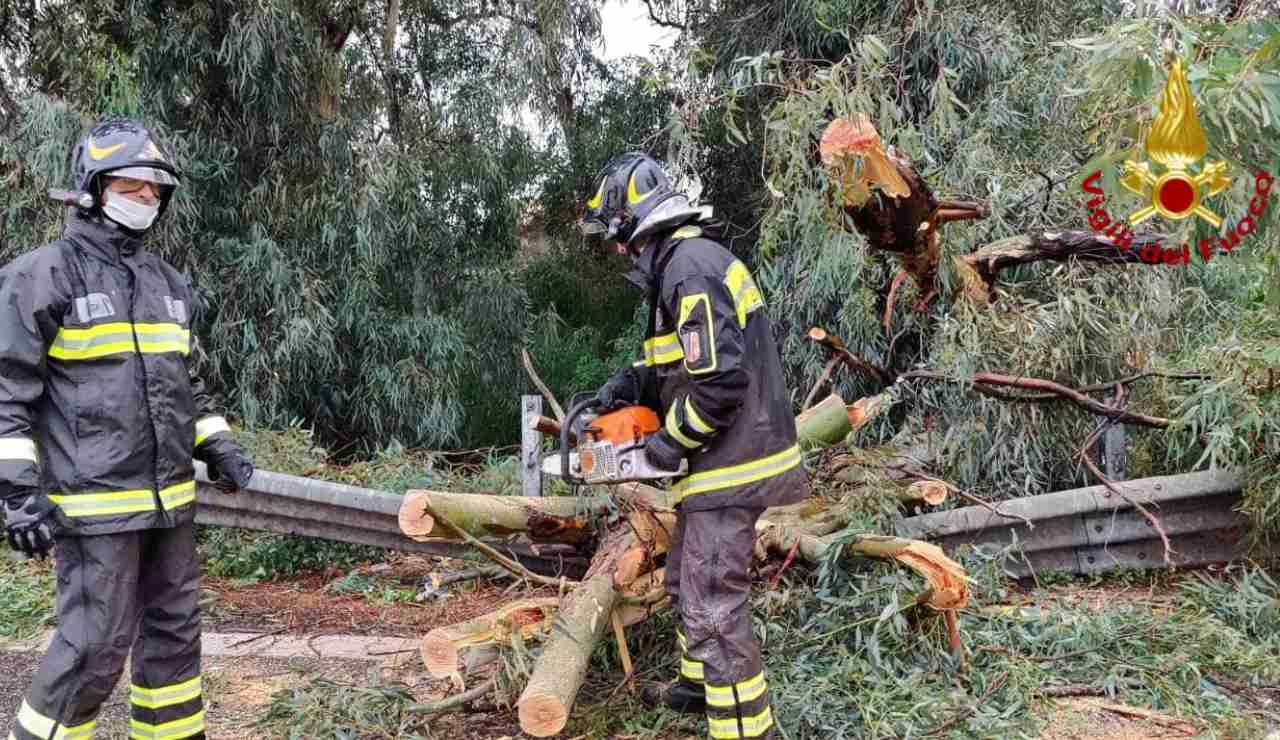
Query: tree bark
(946, 578)
(558, 673)
(1059, 246)
(545, 518)
(442, 646)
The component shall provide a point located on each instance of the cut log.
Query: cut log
(558, 673)
(827, 423)
(442, 646)
(946, 578)
(548, 518)
(932, 492)
(549, 427)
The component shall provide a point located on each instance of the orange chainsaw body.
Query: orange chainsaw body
(626, 426)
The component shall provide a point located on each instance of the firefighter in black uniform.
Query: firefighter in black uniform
(711, 369)
(100, 417)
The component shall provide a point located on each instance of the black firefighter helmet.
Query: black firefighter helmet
(634, 198)
(118, 147)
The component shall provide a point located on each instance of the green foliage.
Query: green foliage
(256, 556)
(349, 210)
(326, 708)
(26, 598)
(854, 657)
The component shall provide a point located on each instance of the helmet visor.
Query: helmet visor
(148, 174)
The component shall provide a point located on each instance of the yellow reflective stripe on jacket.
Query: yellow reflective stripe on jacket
(691, 416)
(165, 696)
(209, 426)
(673, 428)
(119, 337)
(749, 690)
(41, 726)
(662, 350)
(185, 727)
(691, 669)
(124, 502)
(739, 475)
(746, 296)
(17, 448)
(179, 495)
(687, 232)
(724, 729)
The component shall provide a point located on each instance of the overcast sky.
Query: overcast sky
(629, 32)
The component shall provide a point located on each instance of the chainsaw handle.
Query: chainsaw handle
(574, 411)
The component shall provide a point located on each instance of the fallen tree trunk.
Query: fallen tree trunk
(465, 646)
(546, 518)
(558, 673)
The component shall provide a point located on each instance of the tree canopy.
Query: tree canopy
(378, 200)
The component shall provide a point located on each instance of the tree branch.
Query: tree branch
(982, 382)
(852, 359)
(542, 387)
(664, 22)
(1058, 246)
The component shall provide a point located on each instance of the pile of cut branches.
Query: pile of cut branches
(622, 533)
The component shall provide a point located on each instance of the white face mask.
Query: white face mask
(129, 213)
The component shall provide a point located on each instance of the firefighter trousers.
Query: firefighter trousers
(707, 579)
(133, 591)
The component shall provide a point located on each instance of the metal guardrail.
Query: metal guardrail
(288, 504)
(1089, 530)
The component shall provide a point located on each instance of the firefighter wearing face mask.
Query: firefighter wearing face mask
(100, 418)
(711, 370)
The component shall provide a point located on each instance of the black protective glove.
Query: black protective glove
(230, 471)
(625, 388)
(663, 451)
(31, 523)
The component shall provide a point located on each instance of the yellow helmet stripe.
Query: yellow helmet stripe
(598, 198)
(633, 197)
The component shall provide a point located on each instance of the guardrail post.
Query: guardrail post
(530, 446)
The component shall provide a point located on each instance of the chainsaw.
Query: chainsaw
(610, 446)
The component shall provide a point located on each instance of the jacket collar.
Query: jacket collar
(101, 238)
(653, 258)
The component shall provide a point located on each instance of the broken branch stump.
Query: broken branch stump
(442, 646)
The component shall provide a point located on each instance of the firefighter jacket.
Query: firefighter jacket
(98, 407)
(713, 369)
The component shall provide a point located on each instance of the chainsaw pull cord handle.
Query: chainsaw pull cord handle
(574, 411)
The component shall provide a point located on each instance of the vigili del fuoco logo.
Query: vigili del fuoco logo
(1177, 188)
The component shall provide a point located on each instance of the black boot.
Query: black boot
(680, 695)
